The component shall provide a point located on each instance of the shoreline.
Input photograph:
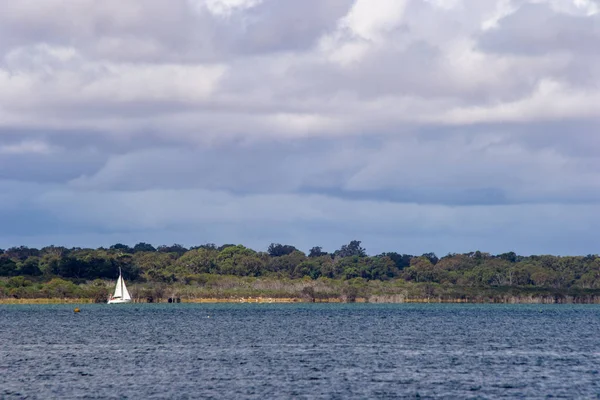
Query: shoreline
(288, 300)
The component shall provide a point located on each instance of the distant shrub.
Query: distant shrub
(60, 288)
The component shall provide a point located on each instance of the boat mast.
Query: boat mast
(121, 276)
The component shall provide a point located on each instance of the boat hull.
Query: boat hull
(118, 301)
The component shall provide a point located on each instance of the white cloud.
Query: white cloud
(372, 20)
(503, 9)
(227, 7)
(382, 64)
(365, 26)
(127, 82)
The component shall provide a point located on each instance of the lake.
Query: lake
(329, 351)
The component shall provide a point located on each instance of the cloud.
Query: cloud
(27, 147)
(458, 169)
(552, 100)
(198, 215)
(227, 7)
(424, 122)
(350, 67)
(554, 31)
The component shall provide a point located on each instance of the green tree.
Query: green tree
(308, 268)
(351, 249)
(57, 251)
(120, 247)
(431, 257)
(510, 256)
(239, 260)
(423, 270)
(400, 260)
(143, 247)
(199, 261)
(175, 248)
(286, 263)
(21, 253)
(381, 268)
(7, 266)
(278, 250)
(155, 266)
(316, 251)
(30, 267)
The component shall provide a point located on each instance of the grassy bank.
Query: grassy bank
(223, 288)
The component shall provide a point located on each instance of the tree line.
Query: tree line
(168, 264)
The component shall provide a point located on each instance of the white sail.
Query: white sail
(126, 295)
(119, 288)
(121, 293)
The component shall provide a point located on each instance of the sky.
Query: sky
(411, 125)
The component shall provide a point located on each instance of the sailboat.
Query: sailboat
(121, 294)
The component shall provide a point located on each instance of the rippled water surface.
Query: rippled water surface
(299, 351)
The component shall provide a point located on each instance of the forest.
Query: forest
(233, 271)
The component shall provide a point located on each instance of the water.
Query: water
(271, 351)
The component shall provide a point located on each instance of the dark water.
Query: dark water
(272, 351)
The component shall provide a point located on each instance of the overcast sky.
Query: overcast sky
(412, 125)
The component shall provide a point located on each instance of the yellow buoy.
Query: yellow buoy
(76, 309)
